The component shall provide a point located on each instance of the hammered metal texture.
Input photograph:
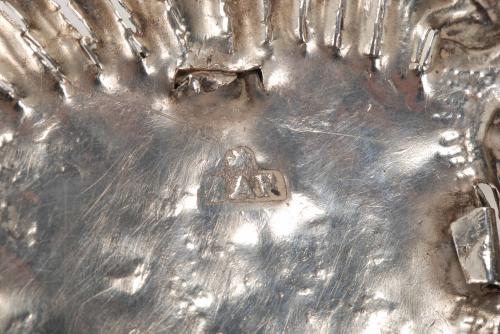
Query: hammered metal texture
(341, 137)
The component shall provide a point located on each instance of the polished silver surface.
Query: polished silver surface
(476, 242)
(476, 238)
(363, 126)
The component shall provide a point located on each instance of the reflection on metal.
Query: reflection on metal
(477, 246)
(476, 239)
(424, 51)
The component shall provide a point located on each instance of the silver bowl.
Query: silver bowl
(228, 166)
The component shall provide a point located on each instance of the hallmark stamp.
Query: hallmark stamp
(240, 180)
